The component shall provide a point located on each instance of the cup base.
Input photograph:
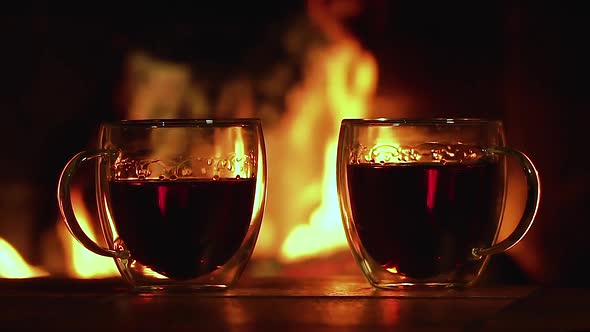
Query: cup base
(167, 289)
(419, 286)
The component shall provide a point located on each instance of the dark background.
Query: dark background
(521, 62)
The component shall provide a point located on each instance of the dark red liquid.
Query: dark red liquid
(424, 219)
(184, 228)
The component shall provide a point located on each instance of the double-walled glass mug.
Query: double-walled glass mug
(180, 201)
(422, 200)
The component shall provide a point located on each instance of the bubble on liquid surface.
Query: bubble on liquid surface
(215, 177)
(186, 171)
(173, 177)
(391, 153)
(161, 177)
(238, 177)
(445, 153)
(426, 152)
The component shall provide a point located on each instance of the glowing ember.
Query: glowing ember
(12, 265)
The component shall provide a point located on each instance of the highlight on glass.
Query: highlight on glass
(422, 200)
(180, 201)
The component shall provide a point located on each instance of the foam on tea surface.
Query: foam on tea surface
(431, 152)
(232, 165)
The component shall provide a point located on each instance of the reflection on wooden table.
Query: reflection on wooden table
(289, 304)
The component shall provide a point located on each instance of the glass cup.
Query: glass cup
(422, 200)
(180, 201)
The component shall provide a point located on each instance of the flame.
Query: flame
(239, 157)
(82, 263)
(12, 265)
(347, 77)
(324, 232)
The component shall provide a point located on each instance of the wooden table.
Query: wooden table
(288, 304)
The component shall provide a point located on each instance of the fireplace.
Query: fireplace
(301, 115)
(301, 67)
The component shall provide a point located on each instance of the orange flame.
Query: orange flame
(82, 263)
(339, 82)
(12, 265)
(240, 156)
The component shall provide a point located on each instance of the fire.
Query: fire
(349, 75)
(324, 232)
(302, 217)
(81, 262)
(12, 265)
(239, 157)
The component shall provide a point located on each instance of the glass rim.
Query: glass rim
(188, 122)
(421, 121)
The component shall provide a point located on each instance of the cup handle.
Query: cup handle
(67, 211)
(531, 207)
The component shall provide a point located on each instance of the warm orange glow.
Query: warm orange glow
(12, 265)
(82, 263)
(339, 84)
(239, 155)
(302, 217)
(324, 232)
